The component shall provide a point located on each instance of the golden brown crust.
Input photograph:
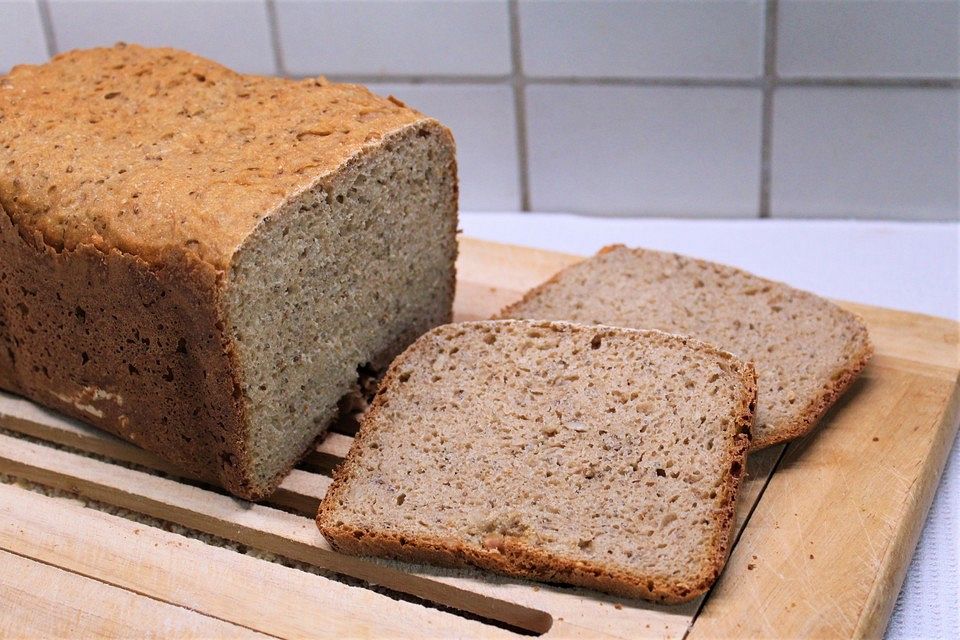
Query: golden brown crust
(839, 382)
(737, 465)
(136, 350)
(148, 150)
(860, 352)
(517, 559)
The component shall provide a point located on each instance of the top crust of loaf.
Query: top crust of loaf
(847, 362)
(148, 151)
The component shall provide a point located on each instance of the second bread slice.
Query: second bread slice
(595, 456)
(806, 349)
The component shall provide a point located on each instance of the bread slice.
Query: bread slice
(806, 350)
(595, 456)
(198, 260)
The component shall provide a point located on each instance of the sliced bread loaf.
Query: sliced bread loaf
(199, 261)
(595, 456)
(806, 349)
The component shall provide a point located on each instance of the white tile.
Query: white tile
(866, 153)
(657, 151)
(233, 32)
(21, 34)
(877, 39)
(634, 39)
(483, 124)
(414, 37)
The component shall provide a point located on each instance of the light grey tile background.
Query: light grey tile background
(379, 37)
(886, 38)
(710, 108)
(867, 153)
(661, 38)
(234, 32)
(21, 34)
(485, 133)
(662, 151)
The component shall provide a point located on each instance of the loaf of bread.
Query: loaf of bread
(595, 456)
(806, 349)
(199, 261)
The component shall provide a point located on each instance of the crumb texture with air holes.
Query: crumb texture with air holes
(602, 457)
(200, 261)
(806, 350)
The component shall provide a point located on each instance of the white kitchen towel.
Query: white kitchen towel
(929, 601)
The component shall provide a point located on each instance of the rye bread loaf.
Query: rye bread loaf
(199, 261)
(806, 350)
(595, 456)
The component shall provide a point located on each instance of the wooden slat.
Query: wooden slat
(299, 491)
(335, 445)
(258, 526)
(41, 601)
(163, 565)
(829, 543)
(328, 454)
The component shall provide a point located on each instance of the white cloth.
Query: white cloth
(909, 266)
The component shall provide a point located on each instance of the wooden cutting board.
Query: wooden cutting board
(827, 525)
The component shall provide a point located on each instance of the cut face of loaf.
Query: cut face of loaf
(199, 261)
(806, 350)
(595, 456)
(336, 281)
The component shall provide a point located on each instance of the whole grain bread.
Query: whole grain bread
(199, 261)
(595, 456)
(806, 350)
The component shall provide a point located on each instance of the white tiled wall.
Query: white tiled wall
(383, 37)
(867, 152)
(745, 108)
(911, 38)
(686, 149)
(660, 38)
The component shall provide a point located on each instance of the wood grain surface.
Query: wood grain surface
(827, 525)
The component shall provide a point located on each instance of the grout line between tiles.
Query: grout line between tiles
(519, 106)
(748, 83)
(411, 79)
(46, 23)
(766, 114)
(652, 81)
(274, 27)
(878, 82)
